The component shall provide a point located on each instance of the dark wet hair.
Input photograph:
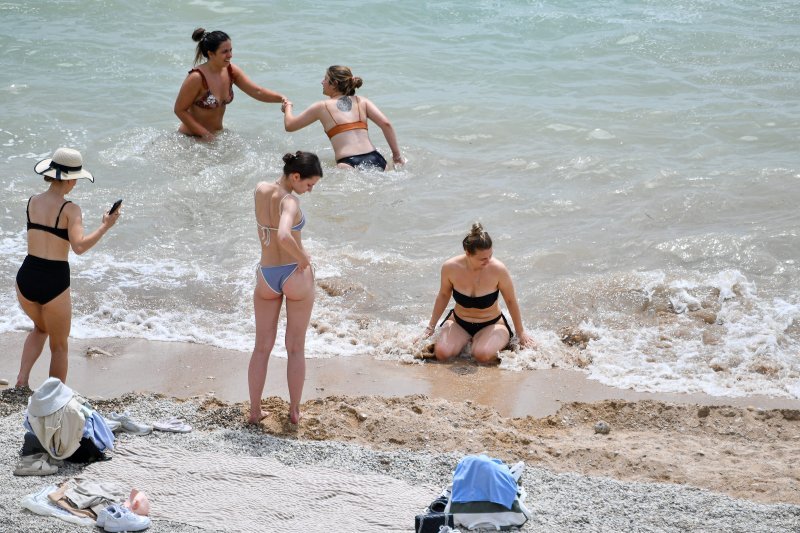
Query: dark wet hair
(476, 239)
(342, 78)
(207, 41)
(304, 163)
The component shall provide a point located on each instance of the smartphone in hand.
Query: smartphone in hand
(115, 207)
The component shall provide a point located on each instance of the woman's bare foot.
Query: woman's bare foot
(256, 418)
(294, 416)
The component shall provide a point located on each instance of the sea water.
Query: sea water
(635, 162)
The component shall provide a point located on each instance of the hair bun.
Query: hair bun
(287, 158)
(357, 82)
(198, 34)
(477, 229)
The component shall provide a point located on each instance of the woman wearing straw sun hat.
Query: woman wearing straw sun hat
(54, 225)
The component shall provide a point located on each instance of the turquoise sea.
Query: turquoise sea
(636, 163)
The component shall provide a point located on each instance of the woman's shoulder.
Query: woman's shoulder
(71, 209)
(497, 267)
(236, 70)
(454, 263)
(265, 188)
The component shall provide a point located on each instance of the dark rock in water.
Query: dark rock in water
(706, 315)
(703, 411)
(791, 414)
(602, 427)
(94, 351)
(335, 287)
(576, 337)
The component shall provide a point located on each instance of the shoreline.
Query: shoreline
(717, 465)
(184, 370)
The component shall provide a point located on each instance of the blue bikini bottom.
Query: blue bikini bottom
(275, 276)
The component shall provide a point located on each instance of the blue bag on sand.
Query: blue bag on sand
(487, 480)
(479, 478)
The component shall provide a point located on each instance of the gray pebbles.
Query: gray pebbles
(559, 502)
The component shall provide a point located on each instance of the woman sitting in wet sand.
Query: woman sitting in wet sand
(475, 280)
(284, 270)
(344, 117)
(208, 89)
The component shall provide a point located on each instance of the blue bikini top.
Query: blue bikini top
(264, 230)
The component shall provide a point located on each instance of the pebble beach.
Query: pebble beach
(661, 467)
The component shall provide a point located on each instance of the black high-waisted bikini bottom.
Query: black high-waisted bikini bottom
(41, 280)
(372, 159)
(474, 327)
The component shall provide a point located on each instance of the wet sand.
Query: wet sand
(184, 370)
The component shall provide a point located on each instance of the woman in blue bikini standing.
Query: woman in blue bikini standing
(284, 270)
(475, 280)
(344, 116)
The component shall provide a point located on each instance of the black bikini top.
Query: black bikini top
(476, 302)
(55, 230)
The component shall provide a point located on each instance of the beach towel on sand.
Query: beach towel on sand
(191, 486)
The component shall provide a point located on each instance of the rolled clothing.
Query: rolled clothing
(95, 495)
(60, 432)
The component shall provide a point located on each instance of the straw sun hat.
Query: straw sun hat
(66, 164)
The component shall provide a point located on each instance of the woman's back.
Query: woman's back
(270, 202)
(345, 122)
(47, 227)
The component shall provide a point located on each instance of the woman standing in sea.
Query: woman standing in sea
(54, 226)
(208, 89)
(284, 271)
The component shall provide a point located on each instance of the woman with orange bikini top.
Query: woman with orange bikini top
(344, 116)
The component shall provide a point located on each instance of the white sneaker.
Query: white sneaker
(129, 425)
(119, 518)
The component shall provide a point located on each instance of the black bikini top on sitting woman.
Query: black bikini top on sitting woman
(209, 101)
(55, 230)
(475, 302)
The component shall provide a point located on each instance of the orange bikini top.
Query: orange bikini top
(339, 128)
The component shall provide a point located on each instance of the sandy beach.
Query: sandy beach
(669, 463)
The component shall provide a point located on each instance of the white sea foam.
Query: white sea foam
(747, 349)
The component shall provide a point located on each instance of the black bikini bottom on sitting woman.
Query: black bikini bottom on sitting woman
(474, 327)
(41, 280)
(372, 159)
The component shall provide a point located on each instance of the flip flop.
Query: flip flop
(173, 425)
(35, 465)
